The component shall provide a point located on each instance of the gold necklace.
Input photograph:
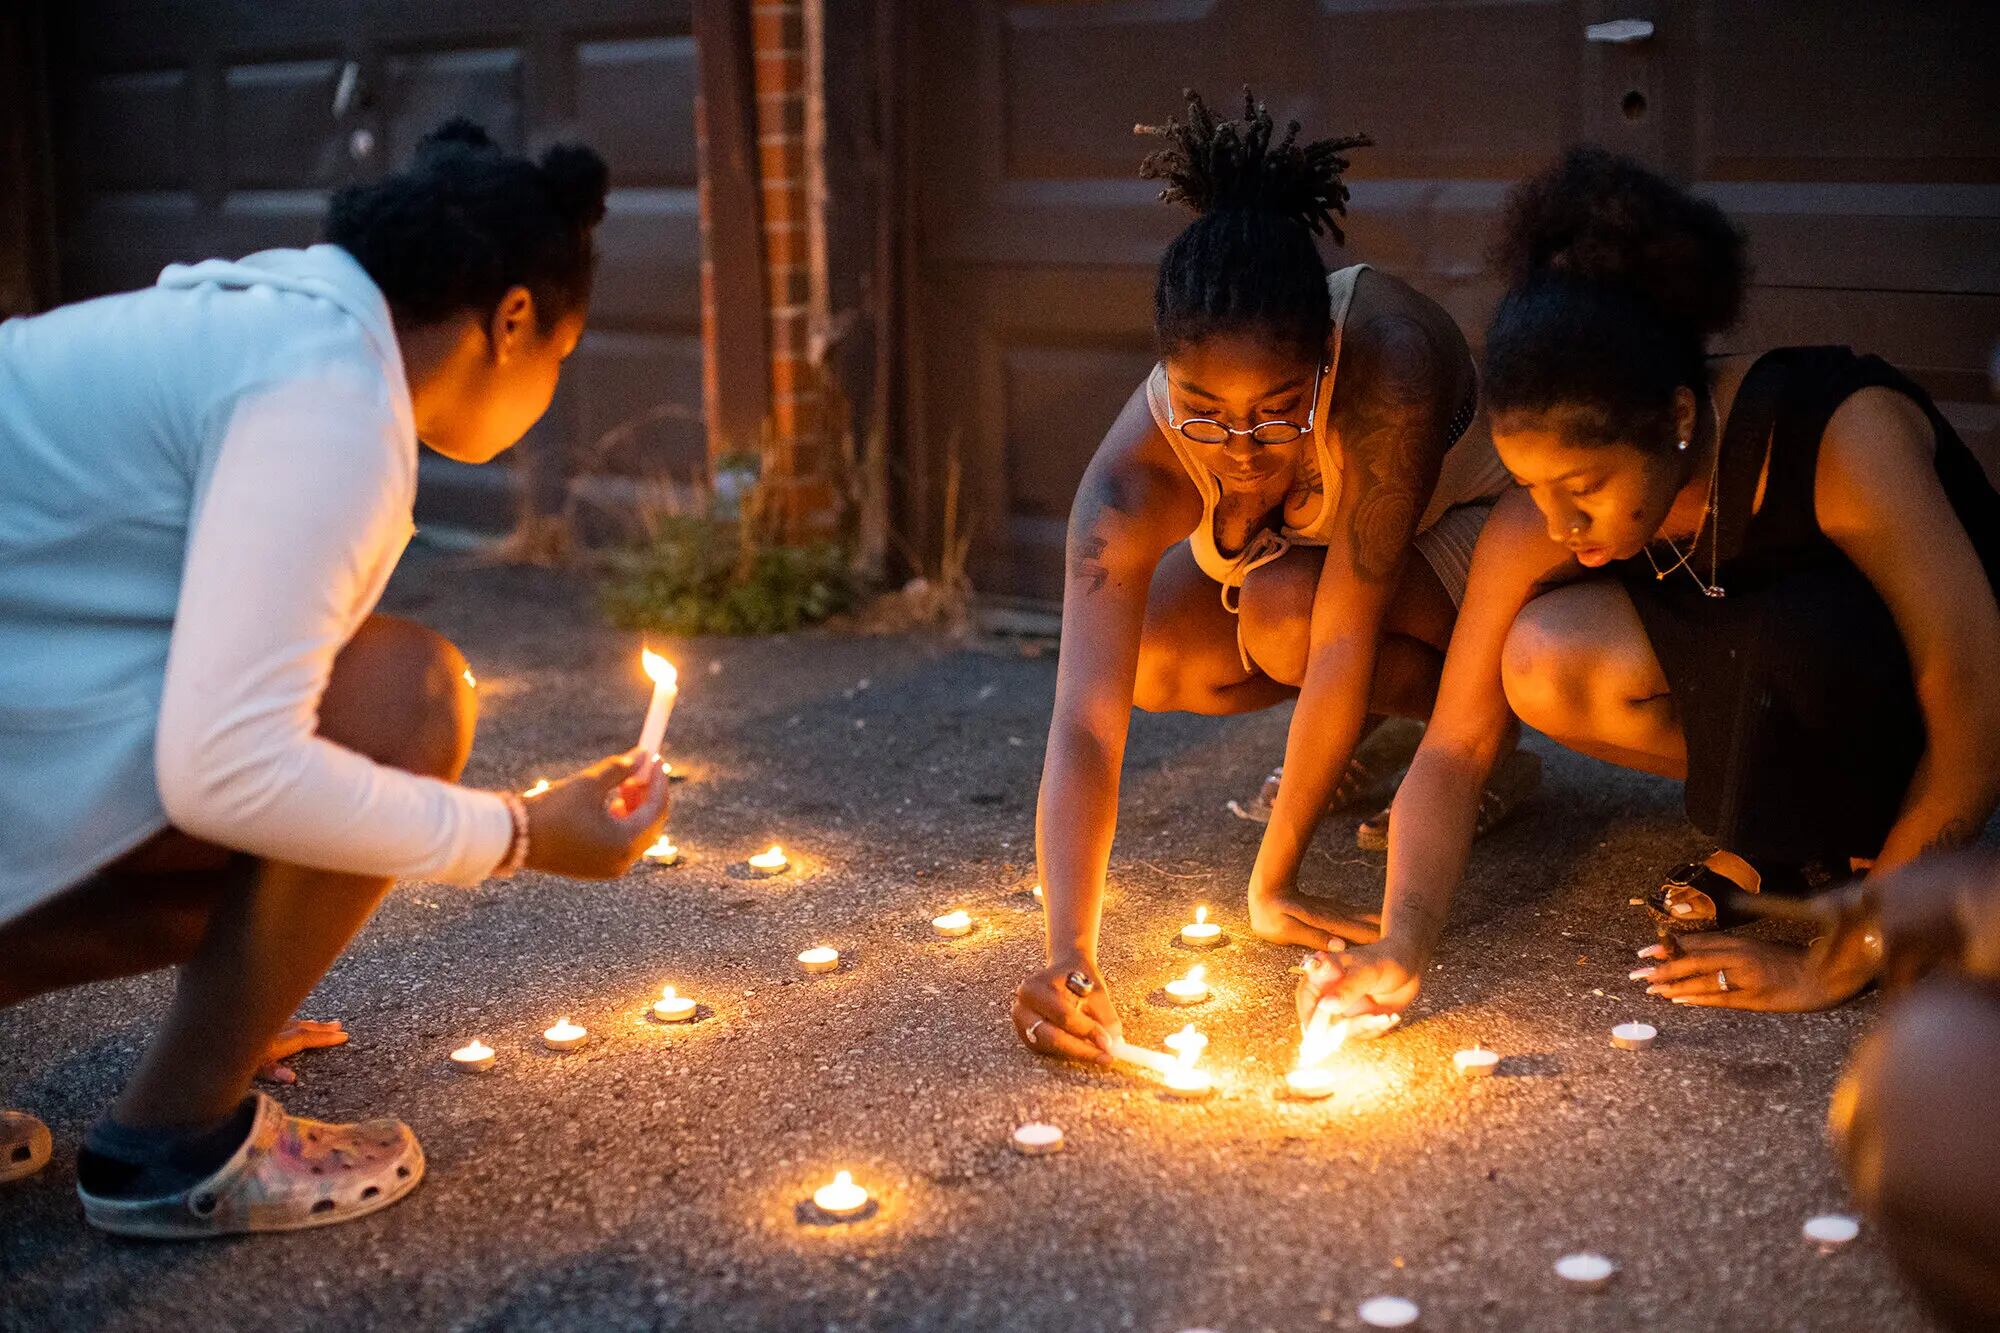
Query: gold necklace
(1711, 512)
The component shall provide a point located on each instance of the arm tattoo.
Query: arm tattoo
(1956, 833)
(1087, 556)
(1392, 434)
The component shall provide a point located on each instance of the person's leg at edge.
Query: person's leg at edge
(1912, 1121)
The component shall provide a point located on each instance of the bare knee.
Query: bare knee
(1546, 671)
(1276, 615)
(400, 695)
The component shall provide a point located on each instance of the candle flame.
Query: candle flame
(541, 785)
(1200, 915)
(663, 850)
(771, 858)
(843, 1178)
(668, 992)
(1196, 973)
(659, 668)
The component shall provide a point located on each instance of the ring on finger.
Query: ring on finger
(1033, 1028)
(1722, 979)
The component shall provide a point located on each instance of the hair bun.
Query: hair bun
(1216, 166)
(458, 132)
(1597, 217)
(576, 179)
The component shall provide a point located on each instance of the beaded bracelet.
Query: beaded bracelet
(517, 845)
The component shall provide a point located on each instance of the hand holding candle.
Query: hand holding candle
(597, 823)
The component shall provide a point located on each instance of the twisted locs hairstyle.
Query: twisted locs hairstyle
(1247, 263)
(1617, 278)
(467, 221)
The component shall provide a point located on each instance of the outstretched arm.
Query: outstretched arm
(1396, 391)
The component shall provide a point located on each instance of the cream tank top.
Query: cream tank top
(1471, 472)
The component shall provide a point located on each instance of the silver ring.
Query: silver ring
(1079, 983)
(1032, 1027)
(1722, 978)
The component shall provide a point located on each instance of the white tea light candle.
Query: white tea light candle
(953, 925)
(842, 1198)
(1830, 1231)
(664, 852)
(475, 1057)
(1037, 1139)
(1586, 1272)
(1190, 989)
(1476, 1062)
(1633, 1036)
(821, 959)
(1201, 933)
(672, 1007)
(1311, 1085)
(771, 861)
(565, 1035)
(1388, 1312)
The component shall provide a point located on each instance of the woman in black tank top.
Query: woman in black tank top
(1771, 577)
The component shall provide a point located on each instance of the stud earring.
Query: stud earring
(1682, 446)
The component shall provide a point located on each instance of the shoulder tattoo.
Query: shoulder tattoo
(1392, 434)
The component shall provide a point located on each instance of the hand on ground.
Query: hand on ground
(1371, 979)
(1286, 916)
(1761, 974)
(1052, 1020)
(301, 1034)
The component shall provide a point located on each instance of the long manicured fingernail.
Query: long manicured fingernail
(1642, 973)
(1656, 990)
(1680, 999)
(1652, 951)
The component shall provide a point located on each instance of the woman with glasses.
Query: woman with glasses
(1284, 509)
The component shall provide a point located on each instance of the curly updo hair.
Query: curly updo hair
(1248, 262)
(1617, 279)
(467, 221)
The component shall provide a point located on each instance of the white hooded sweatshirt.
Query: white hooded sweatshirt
(204, 487)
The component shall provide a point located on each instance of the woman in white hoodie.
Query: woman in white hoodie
(213, 754)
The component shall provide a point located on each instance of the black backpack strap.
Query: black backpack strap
(1751, 418)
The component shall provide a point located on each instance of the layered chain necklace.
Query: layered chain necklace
(1711, 516)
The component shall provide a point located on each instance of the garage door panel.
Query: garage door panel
(635, 105)
(649, 266)
(278, 124)
(134, 130)
(423, 89)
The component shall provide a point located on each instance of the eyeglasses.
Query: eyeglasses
(1207, 430)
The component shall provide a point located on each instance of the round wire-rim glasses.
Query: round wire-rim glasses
(1207, 430)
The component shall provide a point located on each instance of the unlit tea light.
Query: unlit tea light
(565, 1035)
(1633, 1036)
(1830, 1231)
(1388, 1312)
(1586, 1272)
(1037, 1139)
(672, 1007)
(821, 959)
(1190, 989)
(1201, 933)
(475, 1057)
(952, 925)
(841, 1198)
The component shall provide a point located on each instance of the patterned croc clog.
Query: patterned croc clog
(24, 1145)
(290, 1173)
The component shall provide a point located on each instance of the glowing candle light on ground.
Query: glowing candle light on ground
(821, 959)
(771, 861)
(1586, 1272)
(1188, 1043)
(565, 1035)
(1312, 1084)
(1201, 933)
(672, 1007)
(541, 785)
(1190, 989)
(475, 1057)
(1633, 1036)
(666, 688)
(953, 925)
(1476, 1062)
(842, 1198)
(663, 852)
(1037, 1139)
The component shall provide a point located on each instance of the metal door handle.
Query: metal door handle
(1620, 32)
(344, 91)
